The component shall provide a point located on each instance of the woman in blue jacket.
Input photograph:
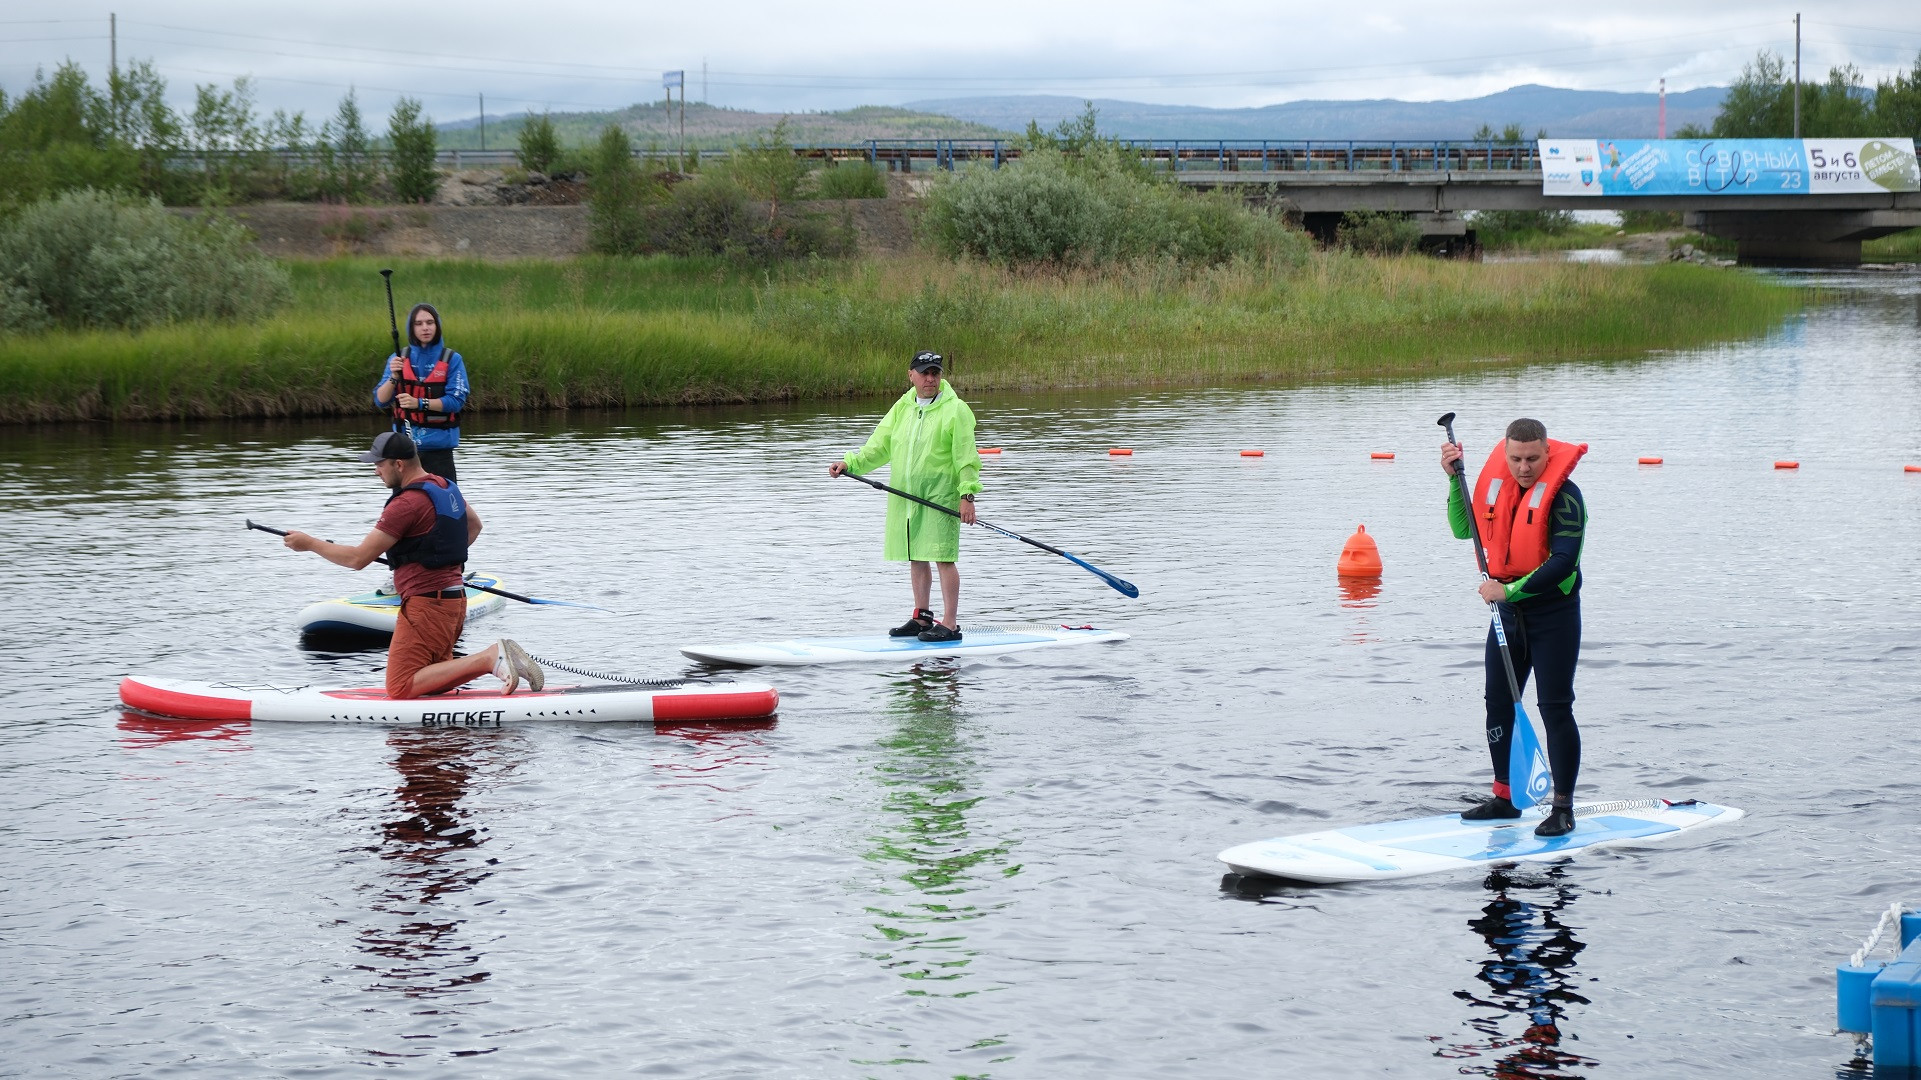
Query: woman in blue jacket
(425, 388)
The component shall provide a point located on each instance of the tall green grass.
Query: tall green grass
(603, 332)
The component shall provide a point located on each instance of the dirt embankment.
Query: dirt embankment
(310, 231)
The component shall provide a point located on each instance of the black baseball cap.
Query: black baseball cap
(391, 446)
(926, 361)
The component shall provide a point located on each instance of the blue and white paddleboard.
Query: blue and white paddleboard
(881, 649)
(1429, 845)
(374, 614)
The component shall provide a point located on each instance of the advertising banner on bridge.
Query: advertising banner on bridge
(1727, 166)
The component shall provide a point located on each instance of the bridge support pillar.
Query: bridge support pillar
(1801, 237)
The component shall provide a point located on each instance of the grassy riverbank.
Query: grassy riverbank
(599, 332)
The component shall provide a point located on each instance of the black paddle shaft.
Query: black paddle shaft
(252, 524)
(1480, 554)
(393, 321)
(956, 513)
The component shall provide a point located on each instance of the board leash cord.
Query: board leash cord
(604, 677)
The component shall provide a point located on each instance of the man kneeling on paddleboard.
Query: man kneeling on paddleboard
(928, 439)
(1532, 522)
(424, 532)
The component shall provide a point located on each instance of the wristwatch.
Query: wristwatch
(967, 498)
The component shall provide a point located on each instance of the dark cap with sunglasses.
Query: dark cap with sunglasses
(926, 361)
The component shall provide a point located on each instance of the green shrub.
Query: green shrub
(415, 176)
(88, 259)
(1501, 228)
(851, 180)
(712, 215)
(1094, 209)
(1383, 233)
(1650, 220)
(539, 144)
(615, 190)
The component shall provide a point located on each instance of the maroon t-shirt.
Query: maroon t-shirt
(412, 514)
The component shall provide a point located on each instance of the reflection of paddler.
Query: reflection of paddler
(1533, 522)
(927, 440)
(424, 532)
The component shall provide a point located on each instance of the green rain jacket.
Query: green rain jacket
(932, 454)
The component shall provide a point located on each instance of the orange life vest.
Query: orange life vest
(1513, 523)
(433, 386)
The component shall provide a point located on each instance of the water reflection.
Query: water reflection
(141, 731)
(1357, 594)
(1530, 979)
(432, 854)
(925, 772)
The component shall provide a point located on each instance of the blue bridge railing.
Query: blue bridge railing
(1216, 155)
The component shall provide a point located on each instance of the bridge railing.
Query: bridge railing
(1164, 155)
(1216, 155)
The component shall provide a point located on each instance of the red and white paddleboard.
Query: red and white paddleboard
(467, 707)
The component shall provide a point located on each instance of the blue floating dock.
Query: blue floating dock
(1883, 1000)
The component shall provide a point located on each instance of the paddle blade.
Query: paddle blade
(1125, 588)
(1527, 770)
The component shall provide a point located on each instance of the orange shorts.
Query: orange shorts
(424, 634)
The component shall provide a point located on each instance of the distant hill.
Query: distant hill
(713, 127)
(1561, 113)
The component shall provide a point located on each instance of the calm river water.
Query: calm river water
(1000, 868)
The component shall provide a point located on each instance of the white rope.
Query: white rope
(1892, 915)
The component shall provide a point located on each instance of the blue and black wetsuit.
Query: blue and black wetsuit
(1542, 617)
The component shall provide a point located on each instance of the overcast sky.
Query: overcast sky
(568, 55)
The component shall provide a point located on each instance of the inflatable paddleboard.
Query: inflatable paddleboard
(987, 641)
(374, 614)
(672, 699)
(1429, 845)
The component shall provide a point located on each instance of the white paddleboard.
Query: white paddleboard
(375, 614)
(669, 699)
(986, 641)
(1429, 845)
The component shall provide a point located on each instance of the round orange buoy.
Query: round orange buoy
(1787, 464)
(1253, 453)
(1650, 461)
(1360, 556)
(1382, 455)
(990, 449)
(1120, 452)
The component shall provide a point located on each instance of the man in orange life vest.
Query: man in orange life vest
(1532, 521)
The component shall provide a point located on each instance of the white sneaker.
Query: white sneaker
(504, 668)
(521, 665)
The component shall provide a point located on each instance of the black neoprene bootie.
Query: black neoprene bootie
(1559, 822)
(941, 632)
(922, 619)
(1493, 809)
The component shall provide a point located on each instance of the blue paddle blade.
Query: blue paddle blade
(1125, 588)
(1527, 771)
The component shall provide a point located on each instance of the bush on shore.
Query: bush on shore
(1368, 232)
(1073, 199)
(92, 260)
(850, 180)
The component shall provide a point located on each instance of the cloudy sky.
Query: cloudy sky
(566, 55)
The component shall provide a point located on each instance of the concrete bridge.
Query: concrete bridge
(1433, 182)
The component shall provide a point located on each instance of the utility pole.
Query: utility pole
(1661, 124)
(113, 68)
(669, 80)
(703, 80)
(1797, 74)
(483, 121)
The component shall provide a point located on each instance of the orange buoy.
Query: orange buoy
(1120, 452)
(1253, 453)
(1382, 455)
(1911, 468)
(1360, 556)
(990, 449)
(1650, 461)
(1787, 464)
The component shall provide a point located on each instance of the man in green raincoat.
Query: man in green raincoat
(928, 439)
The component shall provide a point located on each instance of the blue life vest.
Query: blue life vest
(446, 543)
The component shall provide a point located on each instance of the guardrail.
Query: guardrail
(1166, 155)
